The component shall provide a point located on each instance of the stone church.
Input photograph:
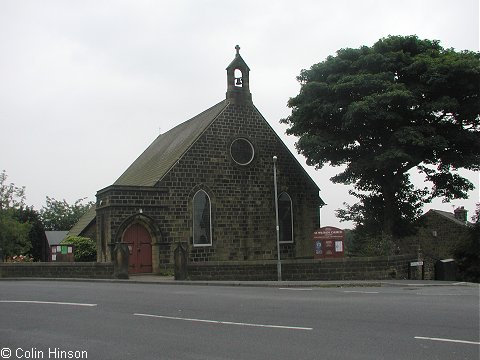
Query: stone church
(208, 184)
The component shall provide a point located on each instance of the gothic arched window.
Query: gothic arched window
(285, 218)
(202, 219)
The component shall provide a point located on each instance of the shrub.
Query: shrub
(85, 248)
(467, 256)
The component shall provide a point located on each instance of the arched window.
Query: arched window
(202, 219)
(237, 74)
(285, 218)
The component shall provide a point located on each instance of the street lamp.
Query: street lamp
(279, 263)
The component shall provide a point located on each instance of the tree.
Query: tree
(36, 235)
(467, 254)
(14, 234)
(11, 196)
(14, 239)
(384, 111)
(85, 248)
(60, 215)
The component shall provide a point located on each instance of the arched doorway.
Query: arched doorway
(139, 244)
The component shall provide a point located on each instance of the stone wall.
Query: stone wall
(91, 270)
(374, 268)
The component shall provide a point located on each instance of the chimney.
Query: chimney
(460, 214)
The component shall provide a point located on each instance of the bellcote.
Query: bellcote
(238, 84)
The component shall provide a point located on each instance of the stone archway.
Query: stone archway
(154, 232)
(139, 242)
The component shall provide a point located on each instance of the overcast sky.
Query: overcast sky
(86, 86)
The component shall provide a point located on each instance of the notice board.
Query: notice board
(328, 242)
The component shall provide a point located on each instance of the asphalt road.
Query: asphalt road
(53, 320)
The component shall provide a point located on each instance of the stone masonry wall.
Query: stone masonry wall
(375, 268)
(57, 270)
(118, 206)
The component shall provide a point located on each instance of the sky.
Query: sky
(86, 86)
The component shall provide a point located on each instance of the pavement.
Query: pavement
(169, 280)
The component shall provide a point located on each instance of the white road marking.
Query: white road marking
(447, 340)
(420, 294)
(45, 302)
(226, 322)
(361, 292)
(296, 289)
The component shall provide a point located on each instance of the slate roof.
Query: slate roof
(167, 149)
(448, 216)
(55, 237)
(83, 222)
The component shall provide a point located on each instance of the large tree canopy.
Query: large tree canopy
(14, 234)
(60, 215)
(381, 111)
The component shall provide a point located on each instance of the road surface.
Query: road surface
(96, 320)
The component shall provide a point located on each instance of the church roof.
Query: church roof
(83, 222)
(167, 149)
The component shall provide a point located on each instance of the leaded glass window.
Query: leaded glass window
(285, 218)
(202, 219)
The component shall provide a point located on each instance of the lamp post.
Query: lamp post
(279, 263)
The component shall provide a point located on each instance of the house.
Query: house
(208, 184)
(439, 232)
(438, 235)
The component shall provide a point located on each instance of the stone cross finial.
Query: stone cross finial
(238, 49)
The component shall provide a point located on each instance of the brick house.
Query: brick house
(208, 184)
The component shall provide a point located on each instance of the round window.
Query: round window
(242, 151)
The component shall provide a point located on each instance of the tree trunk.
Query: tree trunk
(389, 214)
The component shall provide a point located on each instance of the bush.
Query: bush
(85, 248)
(467, 256)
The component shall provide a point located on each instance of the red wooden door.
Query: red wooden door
(140, 248)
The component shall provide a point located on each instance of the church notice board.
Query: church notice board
(62, 253)
(328, 242)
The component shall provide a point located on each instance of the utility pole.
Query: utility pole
(279, 263)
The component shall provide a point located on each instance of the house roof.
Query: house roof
(55, 237)
(167, 149)
(448, 216)
(83, 222)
